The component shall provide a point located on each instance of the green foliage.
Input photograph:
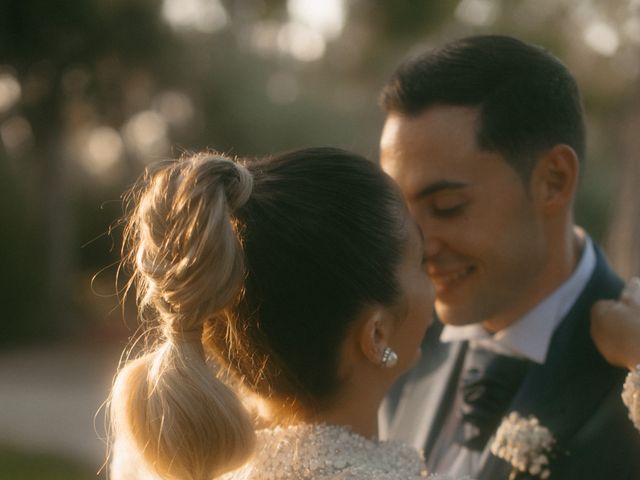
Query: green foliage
(20, 465)
(22, 284)
(593, 202)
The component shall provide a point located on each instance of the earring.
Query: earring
(389, 358)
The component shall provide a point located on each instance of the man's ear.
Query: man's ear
(374, 334)
(554, 179)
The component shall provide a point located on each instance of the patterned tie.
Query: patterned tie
(488, 382)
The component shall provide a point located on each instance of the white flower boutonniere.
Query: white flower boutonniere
(525, 444)
(631, 395)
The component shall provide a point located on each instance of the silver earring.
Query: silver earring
(389, 358)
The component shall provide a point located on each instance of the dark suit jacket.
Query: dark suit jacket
(575, 393)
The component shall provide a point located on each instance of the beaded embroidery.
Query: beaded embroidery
(324, 452)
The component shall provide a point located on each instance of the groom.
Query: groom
(486, 139)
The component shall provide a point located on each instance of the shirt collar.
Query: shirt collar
(530, 336)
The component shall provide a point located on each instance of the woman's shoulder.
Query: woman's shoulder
(318, 452)
(325, 452)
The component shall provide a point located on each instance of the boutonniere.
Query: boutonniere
(631, 395)
(525, 444)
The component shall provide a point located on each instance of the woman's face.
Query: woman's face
(414, 313)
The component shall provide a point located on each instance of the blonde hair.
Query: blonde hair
(188, 268)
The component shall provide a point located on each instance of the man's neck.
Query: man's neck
(561, 265)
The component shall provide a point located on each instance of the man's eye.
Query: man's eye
(447, 204)
(448, 210)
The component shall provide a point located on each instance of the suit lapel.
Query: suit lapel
(565, 391)
(428, 391)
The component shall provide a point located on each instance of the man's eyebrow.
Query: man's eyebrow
(438, 186)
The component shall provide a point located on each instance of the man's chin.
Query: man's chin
(456, 317)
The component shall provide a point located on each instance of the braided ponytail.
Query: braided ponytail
(188, 267)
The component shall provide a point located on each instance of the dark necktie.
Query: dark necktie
(489, 382)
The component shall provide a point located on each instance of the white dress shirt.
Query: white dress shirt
(529, 338)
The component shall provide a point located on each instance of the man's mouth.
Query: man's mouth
(443, 281)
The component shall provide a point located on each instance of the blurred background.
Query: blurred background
(91, 91)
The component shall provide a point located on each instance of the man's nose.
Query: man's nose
(433, 245)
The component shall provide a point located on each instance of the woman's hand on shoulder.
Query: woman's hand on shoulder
(615, 327)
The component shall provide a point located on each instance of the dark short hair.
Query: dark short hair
(323, 234)
(527, 99)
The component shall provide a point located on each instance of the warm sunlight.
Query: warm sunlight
(327, 17)
(205, 16)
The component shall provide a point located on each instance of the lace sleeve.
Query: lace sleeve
(631, 395)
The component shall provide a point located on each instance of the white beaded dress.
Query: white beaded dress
(324, 452)
(306, 452)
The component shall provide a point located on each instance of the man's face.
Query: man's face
(484, 237)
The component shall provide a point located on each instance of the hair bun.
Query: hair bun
(236, 179)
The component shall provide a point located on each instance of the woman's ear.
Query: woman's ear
(374, 334)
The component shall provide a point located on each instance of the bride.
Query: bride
(292, 287)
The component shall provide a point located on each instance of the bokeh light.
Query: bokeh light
(10, 91)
